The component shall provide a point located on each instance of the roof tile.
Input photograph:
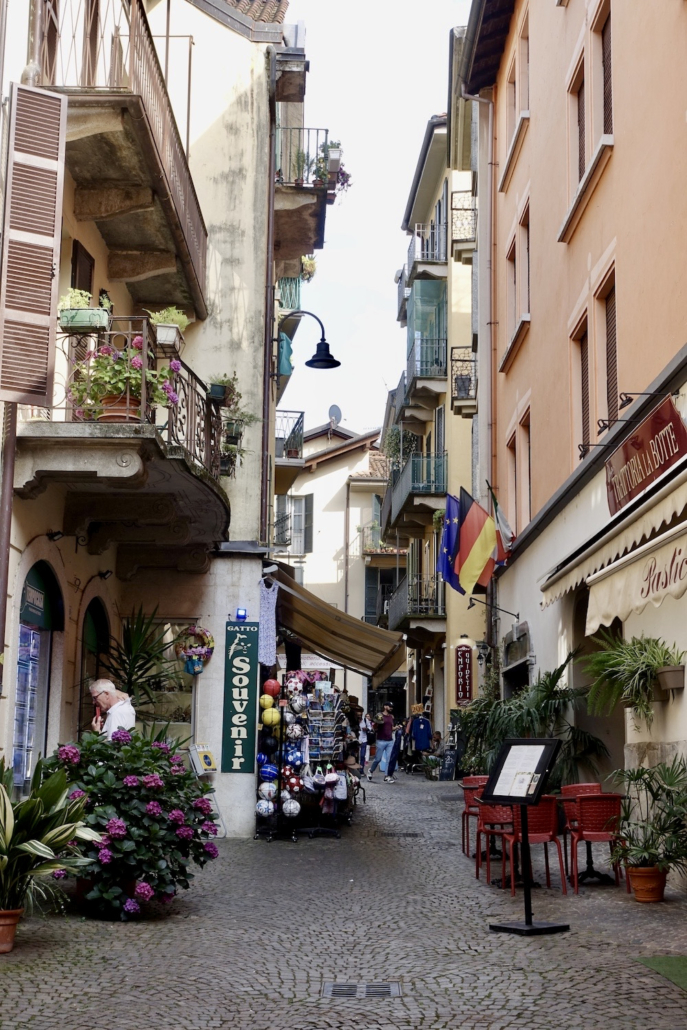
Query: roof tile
(271, 11)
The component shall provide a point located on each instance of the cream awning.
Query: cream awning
(333, 634)
(646, 576)
(658, 511)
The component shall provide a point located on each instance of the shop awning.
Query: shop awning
(333, 634)
(646, 576)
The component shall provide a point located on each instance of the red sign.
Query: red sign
(463, 674)
(655, 445)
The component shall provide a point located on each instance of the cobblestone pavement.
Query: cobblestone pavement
(250, 945)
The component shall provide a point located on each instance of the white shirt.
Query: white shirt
(121, 716)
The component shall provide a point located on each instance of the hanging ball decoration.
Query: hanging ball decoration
(294, 732)
(269, 772)
(298, 703)
(294, 758)
(289, 718)
(267, 790)
(270, 745)
(261, 758)
(272, 688)
(294, 782)
(290, 808)
(270, 716)
(264, 808)
(266, 701)
(287, 771)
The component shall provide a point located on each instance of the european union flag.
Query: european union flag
(449, 541)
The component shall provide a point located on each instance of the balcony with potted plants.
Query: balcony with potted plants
(288, 449)
(377, 552)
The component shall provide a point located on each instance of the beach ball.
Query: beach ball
(264, 807)
(290, 808)
(270, 716)
(267, 790)
(261, 758)
(269, 772)
(298, 703)
(272, 688)
(270, 745)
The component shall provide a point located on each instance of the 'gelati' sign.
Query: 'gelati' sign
(241, 673)
(656, 444)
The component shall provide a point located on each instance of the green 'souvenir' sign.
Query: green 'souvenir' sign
(241, 675)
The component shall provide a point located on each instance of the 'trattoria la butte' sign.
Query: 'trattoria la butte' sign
(241, 674)
(656, 444)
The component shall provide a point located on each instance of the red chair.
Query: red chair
(598, 816)
(542, 828)
(471, 809)
(569, 799)
(492, 821)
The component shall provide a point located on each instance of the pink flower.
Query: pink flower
(116, 828)
(105, 351)
(69, 753)
(130, 781)
(161, 746)
(77, 794)
(176, 816)
(211, 849)
(175, 759)
(105, 856)
(175, 365)
(59, 874)
(203, 805)
(185, 832)
(121, 737)
(153, 782)
(132, 907)
(137, 343)
(103, 842)
(137, 362)
(176, 770)
(166, 898)
(209, 828)
(144, 892)
(154, 808)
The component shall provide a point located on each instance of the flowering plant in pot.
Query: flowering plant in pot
(170, 324)
(106, 381)
(77, 315)
(155, 818)
(32, 833)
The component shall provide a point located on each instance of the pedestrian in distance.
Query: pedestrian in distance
(364, 733)
(395, 752)
(384, 728)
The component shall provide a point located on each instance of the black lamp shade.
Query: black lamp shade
(322, 358)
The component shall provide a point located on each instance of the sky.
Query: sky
(378, 72)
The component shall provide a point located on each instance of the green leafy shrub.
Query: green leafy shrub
(155, 818)
(653, 821)
(624, 672)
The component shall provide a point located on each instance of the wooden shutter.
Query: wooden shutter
(581, 132)
(371, 590)
(584, 369)
(307, 523)
(611, 358)
(608, 82)
(31, 245)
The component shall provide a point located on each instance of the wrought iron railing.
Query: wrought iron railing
(107, 47)
(119, 375)
(427, 243)
(427, 360)
(384, 593)
(463, 374)
(403, 294)
(282, 529)
(290, 293)
(289, 434)
(463, 217)
(421, 474)
(372, 539)
(417, 596)
(302, 157)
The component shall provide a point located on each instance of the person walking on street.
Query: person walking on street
(395, 752)
(385, 733)
(366, 729)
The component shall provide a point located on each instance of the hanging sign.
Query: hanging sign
(463, 674)
(241, 674)
(656, 444)
(417, 709)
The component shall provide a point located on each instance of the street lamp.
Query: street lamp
(321, 358)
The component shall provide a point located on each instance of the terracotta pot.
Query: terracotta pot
(647, 882)
(120, 409)
(9, 918)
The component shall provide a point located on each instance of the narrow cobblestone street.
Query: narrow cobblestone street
(250, 945)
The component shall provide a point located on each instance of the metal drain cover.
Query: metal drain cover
(390, 989)
(393, 834)
(450, 797)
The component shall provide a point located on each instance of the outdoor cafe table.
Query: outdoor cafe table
(590, 873)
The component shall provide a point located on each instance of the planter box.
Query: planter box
(75, 320)
(217, 392)
(671, 677)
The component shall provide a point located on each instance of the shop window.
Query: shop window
(41, 615)
(95, 645)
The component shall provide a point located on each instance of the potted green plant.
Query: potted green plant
(169, 324)
(626, 672)
(106, 384)
(652, 833)
(302, 167)
(38, 838)
(77, 315)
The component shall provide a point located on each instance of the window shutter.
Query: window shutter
(31, 245)
(584, 368)
(608, 82)
(371, 590)
(611, 358)
(440, 444)
(307, 524)
(581, 133)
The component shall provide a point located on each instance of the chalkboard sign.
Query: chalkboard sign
(448, 765)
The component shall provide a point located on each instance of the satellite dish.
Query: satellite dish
(335, 415)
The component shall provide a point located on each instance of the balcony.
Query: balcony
(282, 532)
(288, 449)
(124, 151)
(403, 294)
(426, 372)
(463, 224)
(377, 553)
(304, 187)
(138, 455)
(427, 252)
(290, 293)
(463, 381)
(417, 491)
(418, 607)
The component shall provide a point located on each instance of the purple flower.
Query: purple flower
(103, 842)
(154, 808)
(185, 832)
(173, 398)
(77, 794)
(153, 781)
(59, 874)
(105, 856)
(136, 362)
(176, 770)
(116, 828)
(116, 355)
(73, 843)
(132, 907)
(78, 413)
(130, 781)
(166, 898)
(144, 892)
(161, 746)
(176, 816)
(203, 805)
(69, 753)
(175, 759)
(105, 351)
(211, 848)
(209, 828)
(175, 365)
(121, 737)
(137, 343)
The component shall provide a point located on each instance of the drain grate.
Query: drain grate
(450, 797)
(394, 834)
(389, 989)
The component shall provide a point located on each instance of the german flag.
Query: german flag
(473, 556)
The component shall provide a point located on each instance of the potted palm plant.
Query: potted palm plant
(652, 834)
(77, 315)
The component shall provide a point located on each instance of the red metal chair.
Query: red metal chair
(492, 821)
(542, 828)
(569, 800)
(471, 809)
(597, 821)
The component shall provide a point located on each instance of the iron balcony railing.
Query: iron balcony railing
(282, 529)
(427, 360)
(289, 435)
(427, 243)
(302, 157)
(417, 596)
(384, 593)
(463, 374)
(463, 217)
(372, 539)
(421, 474)
(403, 294)
(290, 293)
(107, 47)
(118, 374)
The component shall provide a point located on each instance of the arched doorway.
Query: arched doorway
(41, 614)
(95, 643)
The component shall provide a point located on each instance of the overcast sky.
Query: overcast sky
(378, 71)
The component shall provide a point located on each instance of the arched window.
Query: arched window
(95, 643)
(41, 614)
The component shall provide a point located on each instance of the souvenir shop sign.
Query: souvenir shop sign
(463, 674)
(656, 444)
(241, 675)
(417, 709)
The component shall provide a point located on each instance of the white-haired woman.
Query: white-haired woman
(120, 712)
